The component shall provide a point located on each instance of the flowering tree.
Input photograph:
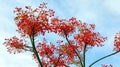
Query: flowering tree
(78, 38)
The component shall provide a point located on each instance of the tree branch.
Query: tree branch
(103, 58)
(29, 48)
(34, 48)
(76, 51)
(84, 51)
(57, 60)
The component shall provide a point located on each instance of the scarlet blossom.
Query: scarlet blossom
(34, 56)
(68, 52)
(45, 49)
(18, 9)
(87, 36)
(43, 5)
(14, 45)
(103, 65)
(117, 41)
(51, 13)
(54, 61)
(33, 21)
(72, 19)
(28, 7)
(63, 27)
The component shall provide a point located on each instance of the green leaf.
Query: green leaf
(63, 48)
(27, 30)
(77, 63)
(19, 16)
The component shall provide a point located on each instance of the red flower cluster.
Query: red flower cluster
(63, 27)
(45, 48)
(87, 36)
(68, 52)
(117, 42)
(29, 20)
(15, 45)
(107, 65)
(48, 56)
(55, 62)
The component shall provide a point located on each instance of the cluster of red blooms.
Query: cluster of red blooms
(45, 48)
(15, 45)
(34, 22)
(29, 19)
(107, 65)
(117, 42)
(47, 52)
(68, 53)
(87, 36)
(63, 27)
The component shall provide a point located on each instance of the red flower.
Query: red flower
(107, 65)
(53, 61)
(17, 9)
(68, 52)
(45, 48)
(33, 20)
(51, 13)
(15, 45)
(46, 51)
(43, 5)
(63, 27)
(28, 7)
(87, 36)
(117, 42)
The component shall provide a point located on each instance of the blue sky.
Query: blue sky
(105, 14)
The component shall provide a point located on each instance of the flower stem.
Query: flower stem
(103, 58)
(76, 51)
(57, 60)
(84, 51)
(34, 48)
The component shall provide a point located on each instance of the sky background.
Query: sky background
(105, 14)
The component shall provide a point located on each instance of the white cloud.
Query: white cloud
(2, 62)
(113, 5)
(24, 2)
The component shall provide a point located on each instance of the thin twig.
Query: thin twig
(84, 55)
(103, 58)
(34, 48)
(57, 60)
(76, 51)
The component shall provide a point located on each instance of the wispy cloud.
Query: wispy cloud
(113, 5)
